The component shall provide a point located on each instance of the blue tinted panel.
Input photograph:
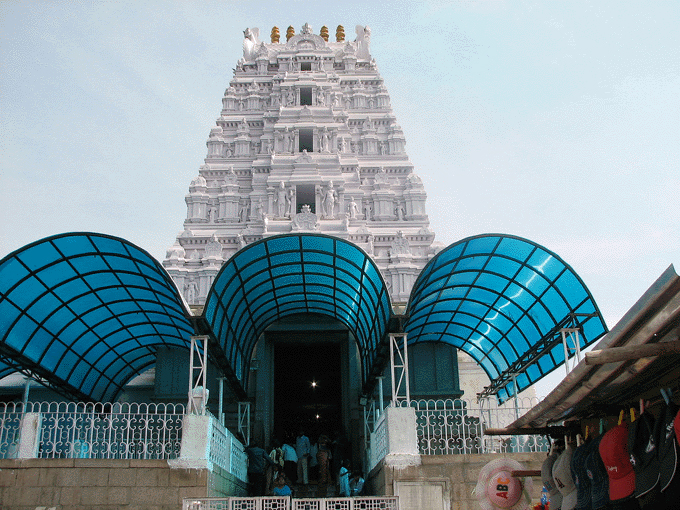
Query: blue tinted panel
(320, 243)
(11, 271)
(8, 314)
(57, 273)
(286, 243)
(546, 264)
(27, 291)
(571, 288)
(39, 255)
(121, 264)
(73, 245)
(43, 307)
(515, 248)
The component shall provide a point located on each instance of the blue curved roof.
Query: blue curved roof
(291, 274)
(87, 311)
(503, 300)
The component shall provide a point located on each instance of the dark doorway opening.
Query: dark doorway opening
(306, 93)
(306, 140)
(305, 196)
(307, 388)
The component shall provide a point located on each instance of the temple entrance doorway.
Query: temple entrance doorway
(308, 376)
(307, 387)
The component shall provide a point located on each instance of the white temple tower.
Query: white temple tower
(306, 142)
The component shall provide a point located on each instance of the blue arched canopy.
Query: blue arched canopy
(503, 300)
(293, 274)
(86, 312)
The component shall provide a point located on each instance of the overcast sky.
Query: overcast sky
(558, 122)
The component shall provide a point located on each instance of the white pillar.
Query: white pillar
(29, 436)
(402, 437)
(196, 437)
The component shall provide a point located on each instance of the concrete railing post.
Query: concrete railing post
(196, 439)
(402, 437)
(396, 438)
(29, 436)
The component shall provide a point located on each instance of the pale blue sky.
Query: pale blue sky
(554, 121)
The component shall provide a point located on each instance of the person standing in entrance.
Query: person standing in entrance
(258, 460)
(302, 448)
(323, 456)
(289, 461)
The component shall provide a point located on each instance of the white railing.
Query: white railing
(379, 446)
(97, 430)
(456, 426)
(286, 503)
(227, 452)
(10, 422)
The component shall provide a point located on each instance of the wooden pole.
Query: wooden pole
(614, 354)
(556, 431)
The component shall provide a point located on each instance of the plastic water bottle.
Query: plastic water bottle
(544, 498)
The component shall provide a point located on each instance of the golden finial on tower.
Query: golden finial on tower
(324, 33)
(340, 34)
(275, 34)
(290, 33)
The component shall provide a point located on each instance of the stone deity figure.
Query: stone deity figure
(353, 209)
(281, 199)
(285, 138)
(321, 99)
(367, 211)
(324, 140)
(343, 145)
(259, 210)
(381, 176)
(243, 214)
(400, 212)
(290, 202)
(231, 176)
(290, 98)
(291, 142)
(191, 291)
(370, 248)
(329, 202)
(363, 42)
(250, 43)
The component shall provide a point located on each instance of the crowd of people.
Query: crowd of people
(298, 461)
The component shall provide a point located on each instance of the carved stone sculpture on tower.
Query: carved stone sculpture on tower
(250, 43)
(329, 202)
(290, 202)
(191, 291)
(213, 248)
(353, 209)
(363, 41)
(400, 245)
(281, 200)
(324, 140)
